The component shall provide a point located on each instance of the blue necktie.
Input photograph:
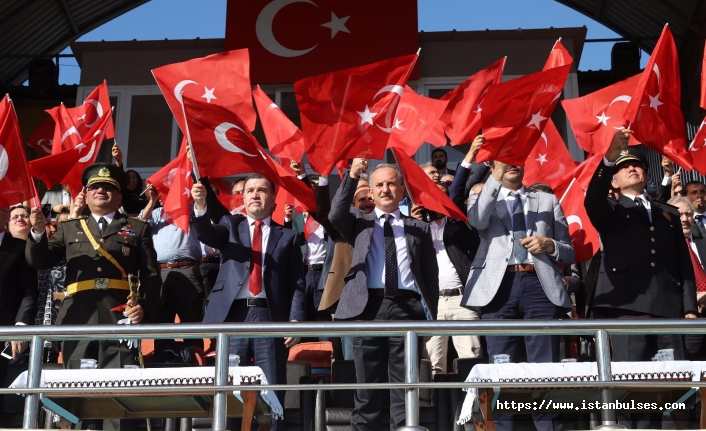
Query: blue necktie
(519, 229)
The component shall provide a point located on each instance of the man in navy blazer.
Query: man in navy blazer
(261, 276)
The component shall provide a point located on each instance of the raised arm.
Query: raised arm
(340, 216)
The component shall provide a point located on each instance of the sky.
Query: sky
(189, 19)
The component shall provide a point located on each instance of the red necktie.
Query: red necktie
(255, 285)
(698, 270)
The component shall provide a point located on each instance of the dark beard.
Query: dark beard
(439, 164)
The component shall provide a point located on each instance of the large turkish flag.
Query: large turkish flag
(292, 39)
(15, 183)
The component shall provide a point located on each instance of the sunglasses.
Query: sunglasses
(447, 182)
(104, 186)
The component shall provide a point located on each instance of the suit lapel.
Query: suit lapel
(93, 226)
(532, 204)
(113, 227)
(275, 235)
(244, 233)
(501, 211)
(408, 236)
(630, 204)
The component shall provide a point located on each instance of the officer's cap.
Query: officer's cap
(631, 154)
(104, 173)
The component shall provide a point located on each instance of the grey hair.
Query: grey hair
(389, 165)
(364, 177)
(424, 165)
(681, 199)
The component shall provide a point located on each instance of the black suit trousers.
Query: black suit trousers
(379, 360)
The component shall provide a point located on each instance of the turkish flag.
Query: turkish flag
(702, 102)
(595, 117)
(284, 138)
(654, 112)
(220, 79)
(173, 185)
(515, 113)
(223, 146)
(559, 56)
(699, 141)
(66, 134)
(15, 182)
(66, 167)
(584, 236)
(86, 116)
(292, 39)
(550, 160)
(350, 113)
(581, 174)
(41, 138)
(415, 119)
(461, 120)
(423, 190)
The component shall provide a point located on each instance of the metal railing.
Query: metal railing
(410, 330)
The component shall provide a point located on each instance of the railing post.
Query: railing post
(34, 374)
(219, 398)
(411, 370)
(608, 418)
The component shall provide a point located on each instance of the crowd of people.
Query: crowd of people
(367, 253)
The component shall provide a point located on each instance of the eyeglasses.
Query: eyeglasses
(104, 186)
(447, 182)
(19, 216)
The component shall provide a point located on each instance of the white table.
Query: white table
(486, 374)
(148, 377)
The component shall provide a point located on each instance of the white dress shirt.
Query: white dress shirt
(315, 246)
(375, 261)
(65, 198)
(645, 202)
(108, 219)
(244, 291)
(510, 203)
(448, 277)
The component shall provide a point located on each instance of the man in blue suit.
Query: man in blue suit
(261, 276)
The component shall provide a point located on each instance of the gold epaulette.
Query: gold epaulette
(137, 218)
(74, 218)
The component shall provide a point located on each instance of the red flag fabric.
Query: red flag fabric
(310, 226)
(92, 110)
(584, 236)
(702, 102)
(515, 112)
(41, 138)
(284, 139)
(460, 119)
(423, 190)
(582, 175)
(654, 112)
(67, 166)
(550, 160)
(220, 79)
(350, 113)
(173, 185)
(414, 121)
(290, 40)
(66, 134)
(699, 141)
(223, 146)
(595, 117)
(15, 182)
(558, 57)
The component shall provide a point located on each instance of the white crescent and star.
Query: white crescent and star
(398, 90)
(44, 147)
(536, 120)
(542, 159)
(99, 111)
(655, 69)
(180, 87)
(72, 131)
(574, 219)
(603, 118)
(263, 28)
(366, 116)
(220, 133)
(88, 156)
(4, 162)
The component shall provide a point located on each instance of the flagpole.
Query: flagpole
(188, 140)
(35, 198)
(567, 190)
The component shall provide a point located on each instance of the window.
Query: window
(150, 137)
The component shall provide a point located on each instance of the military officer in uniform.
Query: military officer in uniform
(646, 270)
(101, 250)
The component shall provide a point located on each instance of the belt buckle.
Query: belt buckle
(251, 302)
(101, 284)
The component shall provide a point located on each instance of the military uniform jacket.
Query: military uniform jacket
(646, 266)
(127, 239)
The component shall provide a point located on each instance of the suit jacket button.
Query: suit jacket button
(102, 240)
(654, 251)
(614, 269)
(240, 283)
(507, 260)
(678, 284)
(99, 269)
(653, 264)
(652, 228)
(652, 239)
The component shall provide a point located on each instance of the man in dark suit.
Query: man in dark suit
(694, 343)
(646, 269)
(18, 291)
(393, 276)
(261, 276)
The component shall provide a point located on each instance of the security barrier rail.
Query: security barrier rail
(410, 330)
